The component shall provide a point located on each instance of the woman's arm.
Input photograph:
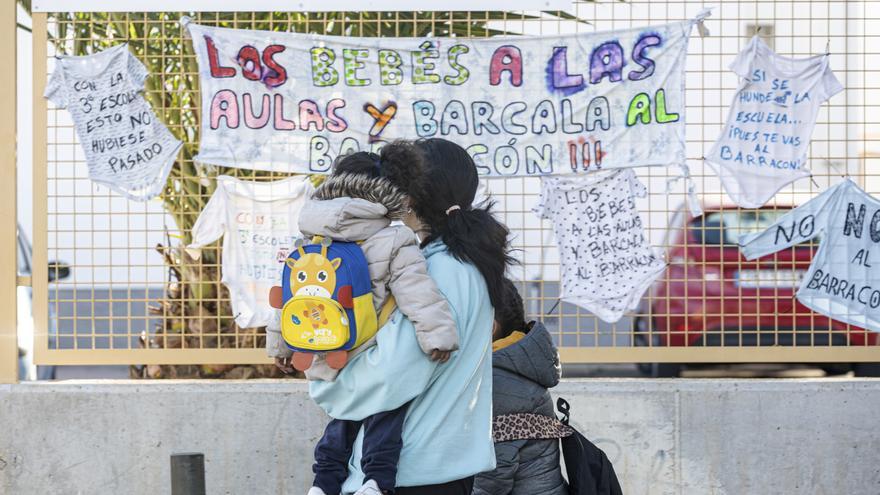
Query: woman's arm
(382, 378)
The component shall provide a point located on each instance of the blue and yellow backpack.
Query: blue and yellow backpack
(326, 301)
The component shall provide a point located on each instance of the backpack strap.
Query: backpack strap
(564, 408)
(385, 313)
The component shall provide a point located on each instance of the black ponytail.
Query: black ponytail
(510, 314)
(443, 199)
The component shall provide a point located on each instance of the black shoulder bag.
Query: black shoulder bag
(588, 468)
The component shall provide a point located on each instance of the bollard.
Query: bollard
(188, 474)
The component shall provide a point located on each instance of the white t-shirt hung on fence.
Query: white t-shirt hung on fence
(127, 148)
(258, 222)
(763, 146)
(841, 282)
(607, 262)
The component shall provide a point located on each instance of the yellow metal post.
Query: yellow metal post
(8, 230)
(39, 260)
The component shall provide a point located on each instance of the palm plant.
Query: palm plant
(195, 312)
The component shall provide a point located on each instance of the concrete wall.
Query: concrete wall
(664, 437)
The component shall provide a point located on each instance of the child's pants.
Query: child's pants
(381, 451)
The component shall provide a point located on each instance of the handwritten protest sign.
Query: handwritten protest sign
(258, 222)
(607, 262)
(841, 281)
(764, 144)
(127, 148)
(520, 105)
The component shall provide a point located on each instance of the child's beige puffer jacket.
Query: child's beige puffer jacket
(395, 261)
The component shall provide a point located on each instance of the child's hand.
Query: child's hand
(283, 364)
(440, 356)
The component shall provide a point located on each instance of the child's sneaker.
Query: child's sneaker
(369, 488)
(316, 491)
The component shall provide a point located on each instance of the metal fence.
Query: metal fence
(134, 296)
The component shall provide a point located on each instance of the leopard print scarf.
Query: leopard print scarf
(527, 426)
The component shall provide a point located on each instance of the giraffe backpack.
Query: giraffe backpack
(326, 301)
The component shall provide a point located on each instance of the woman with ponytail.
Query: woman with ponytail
(443, 209)
(447, 434)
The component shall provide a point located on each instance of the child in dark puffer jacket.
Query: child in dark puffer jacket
(525, 364)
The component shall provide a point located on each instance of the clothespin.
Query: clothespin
(828, 46)
(702, 29)
(700, 20)
(184, 23)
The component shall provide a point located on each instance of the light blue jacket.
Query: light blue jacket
(447, 434)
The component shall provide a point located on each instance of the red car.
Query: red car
(711, 296)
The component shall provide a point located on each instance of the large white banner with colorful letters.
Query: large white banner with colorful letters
(521, 105)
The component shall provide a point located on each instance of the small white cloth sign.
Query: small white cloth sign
(127, 148)
(607, 261)
(258, 223)
(764, 144)
(841, 282)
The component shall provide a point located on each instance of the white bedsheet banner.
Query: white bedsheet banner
(520, 105)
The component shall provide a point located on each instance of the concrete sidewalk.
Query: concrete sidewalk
(737, 437)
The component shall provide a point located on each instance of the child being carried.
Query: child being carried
(357, 203)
